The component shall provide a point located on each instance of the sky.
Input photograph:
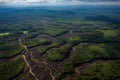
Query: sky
(97, 2)
(35, 1)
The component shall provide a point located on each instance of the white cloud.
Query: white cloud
(51, 1)
(25, 1)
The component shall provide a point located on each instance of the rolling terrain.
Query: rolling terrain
(60, 43)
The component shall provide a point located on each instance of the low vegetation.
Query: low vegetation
(79, 36)
(4, 34)
(10, 36)
(74, 39)
(35, 42)
(102, 71)
(10, 69)
(87, 52)
(10, 50)
(92, 36)
(54, 31)
(59, 53)
(82, 22)
(57, 43)
(111, 35)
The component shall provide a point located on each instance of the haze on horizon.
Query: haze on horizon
(47, 1)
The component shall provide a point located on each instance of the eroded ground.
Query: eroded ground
(60, 49)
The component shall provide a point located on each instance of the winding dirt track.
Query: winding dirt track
(25, 60)
(47, 66)
(80, 69)
(52, 72)
(30, 70)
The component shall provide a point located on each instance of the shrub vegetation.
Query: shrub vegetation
(11, 69)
